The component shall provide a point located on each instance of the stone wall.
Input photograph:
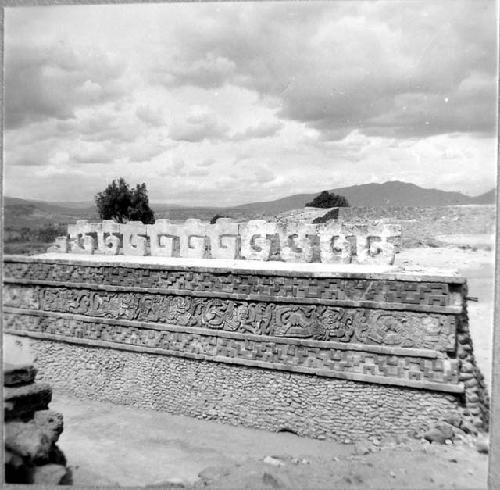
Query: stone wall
(267, 399)
(254, 240)
(373, 336)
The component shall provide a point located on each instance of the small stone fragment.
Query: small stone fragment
(273, 461)
(434, 435)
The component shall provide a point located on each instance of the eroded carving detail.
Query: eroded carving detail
(368, 326)
(282, 354)
(253, 240)
(420, 293)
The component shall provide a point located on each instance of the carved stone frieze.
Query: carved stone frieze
(254, 240)
(360, 325)
(321, 288)
(320, 361)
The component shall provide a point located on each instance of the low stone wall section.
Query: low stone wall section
(309, 405)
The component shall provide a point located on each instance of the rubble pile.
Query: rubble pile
(31, 430)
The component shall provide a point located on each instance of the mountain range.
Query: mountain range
(392, 193)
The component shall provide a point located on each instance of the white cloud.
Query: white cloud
(264, 129)
(236, 102)
(198, 125)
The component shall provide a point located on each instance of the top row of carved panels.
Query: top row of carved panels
(253, 240)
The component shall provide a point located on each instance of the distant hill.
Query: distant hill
(392, 193)
(21, 212)
(486, 198)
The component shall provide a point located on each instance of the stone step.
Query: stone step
(18, 374)
(21, 402)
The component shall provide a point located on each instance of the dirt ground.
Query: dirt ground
(109, 445)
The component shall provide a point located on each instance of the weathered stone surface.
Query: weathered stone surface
(193, 240)
(49, 422)
(12, 459)
(50, 475)
(164, 238)
(18, 374)
(306, 404)
(435, 435)
(224, 239)
(446, 429)
(25, 400)
(278, 352)
(440, 433)
(297, 242)
(334, 244)
(257, 239)
(454, 420)
(109, 238)
(135, 241)
(28, 441)
(83, 237)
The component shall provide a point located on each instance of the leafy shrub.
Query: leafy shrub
(328, 200)
(122, 203)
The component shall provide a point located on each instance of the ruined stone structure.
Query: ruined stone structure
(332, 350)
(31, 430)
(255, 240)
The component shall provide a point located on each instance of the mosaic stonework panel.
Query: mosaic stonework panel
(329, 288)
(356, 325)
(320, 361)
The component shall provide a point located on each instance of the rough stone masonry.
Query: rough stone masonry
(31, 429)
(323, 349)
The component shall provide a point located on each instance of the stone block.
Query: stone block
(335, 246)
(193, 240)
(18, 375)
(76, 232)
(258, 240)
(373, 245)
(297, 241)
(135, 240)
(225, 242)
(24, 400)
(109, 238)
(28, 441)
(83, 237)
(164, 238)
(50, 423)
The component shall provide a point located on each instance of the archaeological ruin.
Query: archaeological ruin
(297, 327)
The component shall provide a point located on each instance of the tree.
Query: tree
(122, 203)
(328, 200)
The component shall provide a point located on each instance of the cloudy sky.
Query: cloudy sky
(226, 103)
